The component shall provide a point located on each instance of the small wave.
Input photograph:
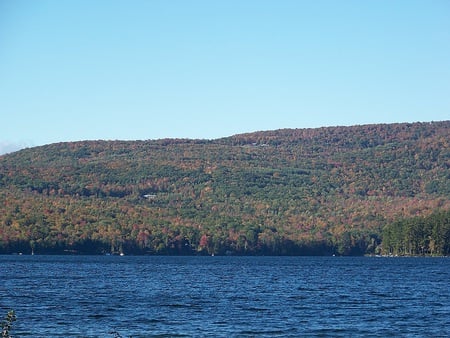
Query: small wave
(268, 332)
(97, 316)
(255, 309)
(178, 305)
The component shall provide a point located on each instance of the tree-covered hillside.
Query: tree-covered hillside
(293, 191)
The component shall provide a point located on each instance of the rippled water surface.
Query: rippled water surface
(88, 296)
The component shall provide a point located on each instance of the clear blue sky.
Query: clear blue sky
(147, 69)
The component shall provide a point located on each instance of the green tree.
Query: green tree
(7, 322)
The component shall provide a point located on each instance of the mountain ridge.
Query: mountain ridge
(287, 191)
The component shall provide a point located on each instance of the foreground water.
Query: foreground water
(88, 296)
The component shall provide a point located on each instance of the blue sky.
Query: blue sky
(147, 69)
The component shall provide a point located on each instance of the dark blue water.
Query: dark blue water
(73, 296)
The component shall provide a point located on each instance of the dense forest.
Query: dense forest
(426, 235)
(336, 190)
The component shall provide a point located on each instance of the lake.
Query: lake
(107, 296)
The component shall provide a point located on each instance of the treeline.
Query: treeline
(428, 235)
(142, 225)
(294, 191)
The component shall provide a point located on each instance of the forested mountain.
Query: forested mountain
(292, 191)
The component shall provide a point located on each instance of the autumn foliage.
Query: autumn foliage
(285, 192)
